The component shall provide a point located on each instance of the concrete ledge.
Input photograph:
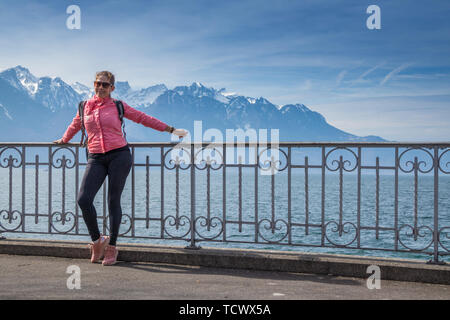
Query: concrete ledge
(338, 265)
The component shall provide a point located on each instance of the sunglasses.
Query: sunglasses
(101, 84)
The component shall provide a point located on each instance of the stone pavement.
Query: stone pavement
(43, 277)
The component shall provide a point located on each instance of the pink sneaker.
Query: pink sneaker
(97, 249)
(110, 255)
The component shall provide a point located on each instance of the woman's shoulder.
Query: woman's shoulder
(123, 103)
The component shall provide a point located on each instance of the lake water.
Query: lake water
(243, 228)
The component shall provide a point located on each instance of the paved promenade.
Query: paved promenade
(43, 277)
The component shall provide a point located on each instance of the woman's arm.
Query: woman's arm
(143, 118)
(149, 121)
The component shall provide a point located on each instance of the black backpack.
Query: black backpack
(120, 109)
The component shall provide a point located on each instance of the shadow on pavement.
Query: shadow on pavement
(254, 274)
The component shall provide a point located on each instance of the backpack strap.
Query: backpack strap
(83, 143)
(121, 111)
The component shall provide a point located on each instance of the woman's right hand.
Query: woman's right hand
(180, 132)
(59, 141)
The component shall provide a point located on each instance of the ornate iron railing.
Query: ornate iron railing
(391, 197)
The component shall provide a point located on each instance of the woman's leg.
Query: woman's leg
(118, 170)
(93, 179)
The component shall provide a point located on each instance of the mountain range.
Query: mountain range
(40, 109)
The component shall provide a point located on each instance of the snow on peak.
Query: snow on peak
(302, 107)
(122, 88)
(82, 90)
(298, 106)
(146, 96)
(28, 81)
(229, 94)
(221, 97)
(263, 100)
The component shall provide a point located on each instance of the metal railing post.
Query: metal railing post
(435, 259)
(192, 173)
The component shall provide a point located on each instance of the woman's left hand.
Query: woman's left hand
(59, 141)
(180, 132)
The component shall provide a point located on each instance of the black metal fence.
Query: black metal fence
(391, 197)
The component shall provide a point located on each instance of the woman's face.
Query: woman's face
(103, 87)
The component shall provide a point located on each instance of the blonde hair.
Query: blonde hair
(107, 74)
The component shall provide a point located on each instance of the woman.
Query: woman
(109, 155)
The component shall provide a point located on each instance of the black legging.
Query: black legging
(115, 164)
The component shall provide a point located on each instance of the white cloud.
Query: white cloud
(370, 71)
(394, 72)
(340, 77)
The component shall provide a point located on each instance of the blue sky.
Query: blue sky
(393, 82)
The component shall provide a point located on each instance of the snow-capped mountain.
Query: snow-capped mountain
(40, 109)
(56, 94)
(52, 93)
(21, 78)
(84, 91)
(139, 98)
(122, 89)
(198, 90)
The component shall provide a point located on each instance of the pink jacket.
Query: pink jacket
(103, 127)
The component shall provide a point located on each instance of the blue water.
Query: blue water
(241, 226)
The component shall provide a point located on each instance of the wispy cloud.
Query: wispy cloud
(394, 72)
(370, 71)
(402, 118)
(306, 86)
(340, 76)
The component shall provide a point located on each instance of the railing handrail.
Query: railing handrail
(444, 144)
